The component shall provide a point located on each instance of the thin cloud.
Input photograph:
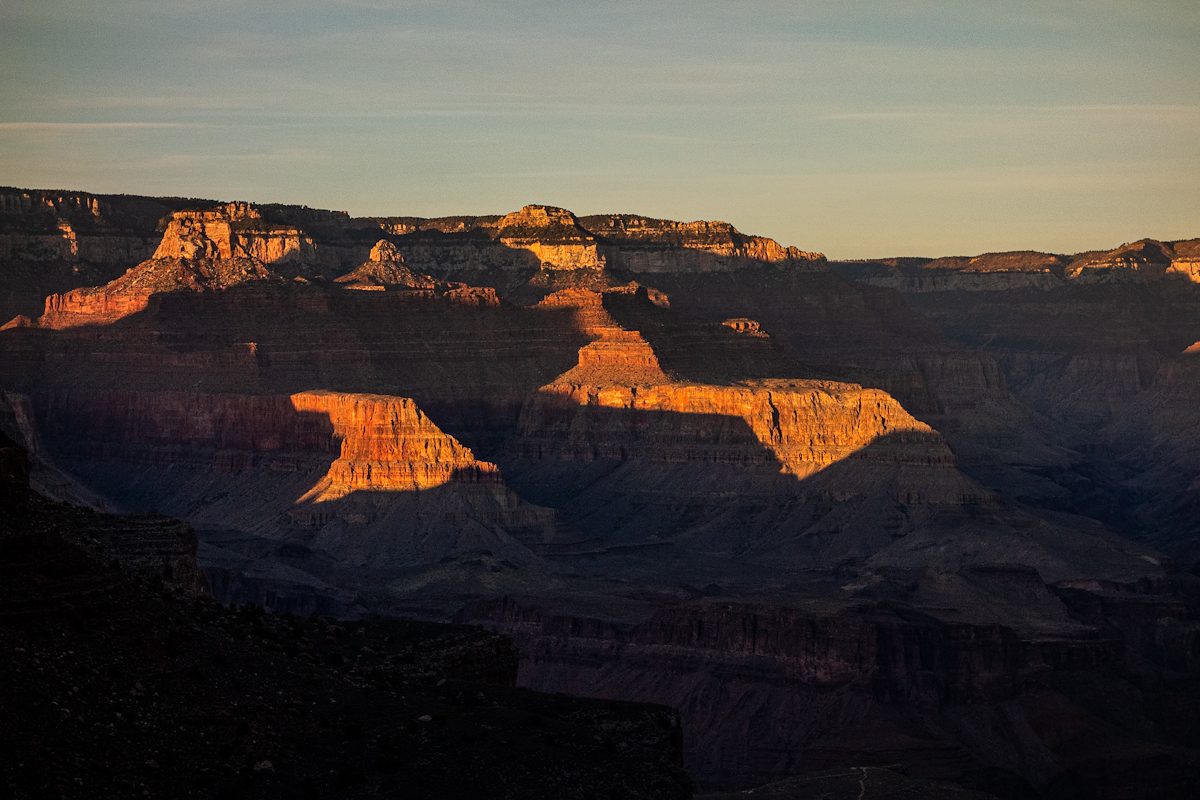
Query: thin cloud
(1162, 110)
(88, 126)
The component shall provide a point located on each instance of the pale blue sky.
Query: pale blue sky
(857, 128)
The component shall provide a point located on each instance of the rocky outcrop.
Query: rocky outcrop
(644, 245)
(615, 354)
(236, 230)
(387, 444)
(336, 472)
(131, 293)
(227, 246)
(555, 240)
(800, 428)
(57, 241)
(199, 251)
(384, 267)
(553, 235)
(1142, 261)
(497, 250)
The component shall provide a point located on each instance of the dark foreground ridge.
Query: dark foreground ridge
(119, 681)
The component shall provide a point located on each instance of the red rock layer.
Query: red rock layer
(643, 245)
(338, 471)
(802, 428)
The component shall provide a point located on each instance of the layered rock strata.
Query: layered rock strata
(336, 472)
(1143, 261)
(57, 241)
(773, 687)
(644, 245)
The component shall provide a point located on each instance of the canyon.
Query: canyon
(937, 513)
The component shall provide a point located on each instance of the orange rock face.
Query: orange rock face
(801, 428)
(387, 444)
(337, 471)
(91, 307)
(553, 235)
(643, 245)
(235, 231)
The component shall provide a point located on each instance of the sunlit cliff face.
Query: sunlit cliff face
(387, 445)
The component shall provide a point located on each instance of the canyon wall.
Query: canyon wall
(796, 501)
(1140, 262)
(772, 687)
(333, 471)
(56, 241)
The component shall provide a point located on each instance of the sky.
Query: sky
(893, 127)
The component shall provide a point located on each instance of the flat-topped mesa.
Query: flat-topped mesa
(643, 244)
(560, 241)
(538, 220)
(553, 235)
(1143, 261)
(236, 230)
(1009, 261)
(535, 239)
(799, 426)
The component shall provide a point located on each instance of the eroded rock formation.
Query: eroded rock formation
(793, 502)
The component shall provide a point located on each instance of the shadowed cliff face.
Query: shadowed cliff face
(1107, 366)
(778, 686)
